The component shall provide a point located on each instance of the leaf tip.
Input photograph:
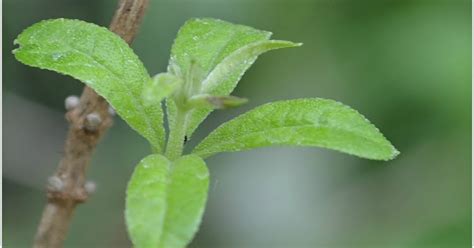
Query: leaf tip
(395, 153)
(287, 44)
(392, 154)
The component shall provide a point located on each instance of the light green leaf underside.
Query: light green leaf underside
(216, 82)
(146, 201)
(161, 86)
(165, 201)
(100, 59)
(301, 122)
(224, 77)
(208, 42)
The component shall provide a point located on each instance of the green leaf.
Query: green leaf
(217, 83)
(146, 201)
(301, 122)
(100, 59)
(208, 41)
(162, 85)
(211, 42)
(225, 76)
(216, 102)
(165, 201)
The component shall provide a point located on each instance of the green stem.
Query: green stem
(174, 148)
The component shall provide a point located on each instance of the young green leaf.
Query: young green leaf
(100, 59)
(217, 83)
(165, 201)
(162, 85)
(210, 42)
(224, 77)
(216, 102)
(301, 122)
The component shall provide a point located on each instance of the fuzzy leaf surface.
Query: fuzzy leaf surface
(300, 122)
(165, 201)
(100, 59)
(160, 87)
(208, 42)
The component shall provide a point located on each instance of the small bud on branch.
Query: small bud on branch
(90, 187)
(55, 184)
(92, 122)
(71, 102)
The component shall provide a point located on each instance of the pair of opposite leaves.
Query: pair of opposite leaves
(166, 199)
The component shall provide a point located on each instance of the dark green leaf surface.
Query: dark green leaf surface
(166, 200)
(100, 59)
(301, 122)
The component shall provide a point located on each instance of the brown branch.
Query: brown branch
(89, 121)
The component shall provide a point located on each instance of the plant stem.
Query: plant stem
(174, 148)
(66, 187)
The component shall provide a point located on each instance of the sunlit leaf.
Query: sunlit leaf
(301, 122)
(209, 42)
(100, 59)
(166, 200)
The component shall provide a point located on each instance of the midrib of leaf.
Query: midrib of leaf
(165, 205)
(247, 134)
(165, 227)
(146, 184)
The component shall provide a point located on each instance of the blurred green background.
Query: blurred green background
(406, 65)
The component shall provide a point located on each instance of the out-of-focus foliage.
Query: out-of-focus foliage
(404, 64)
